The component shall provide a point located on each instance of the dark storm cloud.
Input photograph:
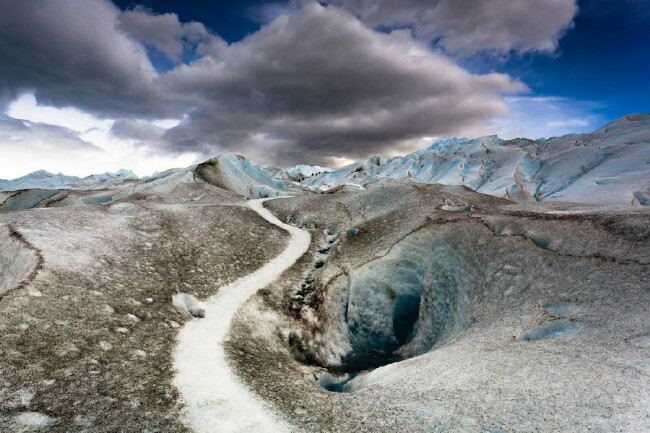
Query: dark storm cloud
(137, 129)
(469, 26)
(69, 53)
(319, 84)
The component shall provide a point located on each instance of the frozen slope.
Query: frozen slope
(237, 174)
(233, 175)
(215, 399)
(608, 166)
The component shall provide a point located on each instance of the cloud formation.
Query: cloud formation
(320, 81)
(31, 145)
(137, 129)
(468, 26)
(317, 85)
(167, 34)
(548, 116)
(16, 133)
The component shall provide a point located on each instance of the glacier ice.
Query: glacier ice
(300, 172)
(556, 329)
(608, 166)
(35, 419)
(398, 306)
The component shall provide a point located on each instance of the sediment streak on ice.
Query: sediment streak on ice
(215, 399)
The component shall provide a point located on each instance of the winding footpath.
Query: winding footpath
(214, 397)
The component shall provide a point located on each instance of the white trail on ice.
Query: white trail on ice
(215, 398)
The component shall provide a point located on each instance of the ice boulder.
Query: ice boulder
(188, 304)
(263, 191)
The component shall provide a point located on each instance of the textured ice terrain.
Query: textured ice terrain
(300, 172)
(231, 173)
(41, 179)
(425, 319)
(87, 338)
(176, 303)
(236, 173)
(608, 166)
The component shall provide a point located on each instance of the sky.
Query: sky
(88, 86)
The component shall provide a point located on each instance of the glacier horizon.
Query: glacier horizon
(608, 166)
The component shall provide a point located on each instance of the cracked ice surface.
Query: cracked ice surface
(16, 260)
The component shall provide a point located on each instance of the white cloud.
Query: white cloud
(541, 117)
(26, 107)
(35, 137)
(69, 53)
(569, 123)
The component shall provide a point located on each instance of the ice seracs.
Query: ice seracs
(301, 172)
(608, 166)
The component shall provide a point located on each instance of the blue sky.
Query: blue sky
(97, 85)
(232, 20)
(602, 64)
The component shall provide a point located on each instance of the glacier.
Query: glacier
(609, 166)
(475, 285)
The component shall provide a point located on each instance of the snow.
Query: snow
(608, 166)
(215, 399)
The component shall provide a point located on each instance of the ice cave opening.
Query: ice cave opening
(397, 307)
